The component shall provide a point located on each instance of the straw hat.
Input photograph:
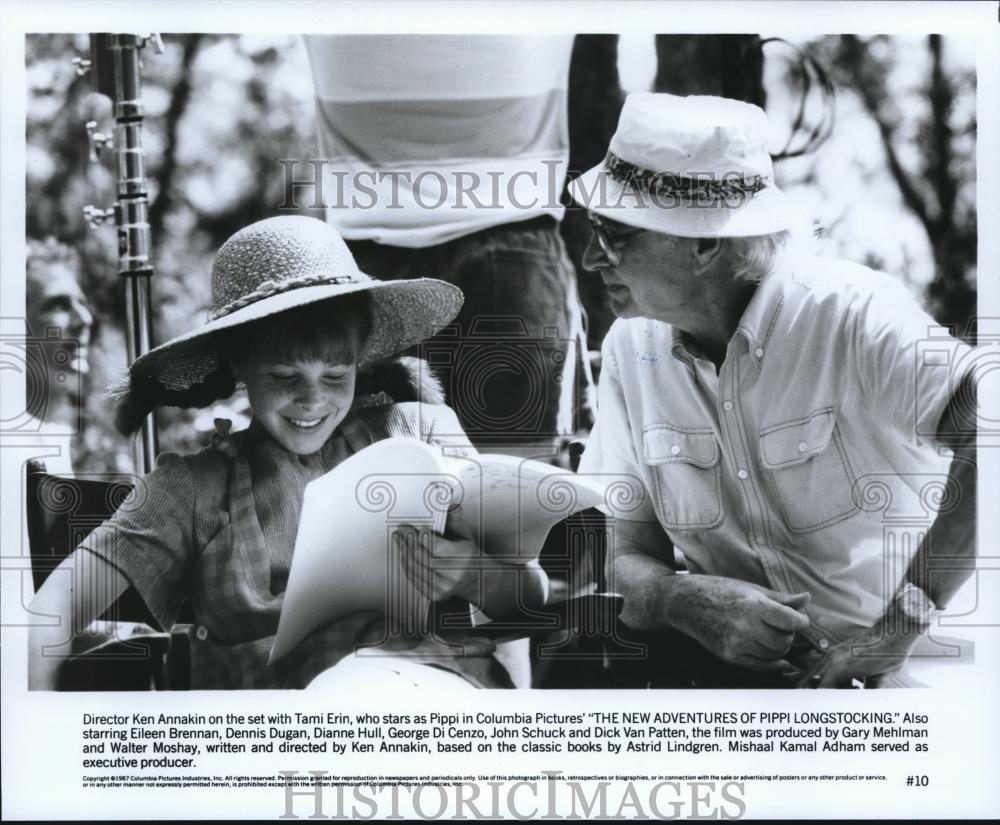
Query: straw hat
(269, 267)
(696, 167)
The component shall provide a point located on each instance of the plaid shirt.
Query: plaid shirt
(220, 531)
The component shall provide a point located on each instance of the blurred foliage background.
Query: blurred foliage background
(892, 185)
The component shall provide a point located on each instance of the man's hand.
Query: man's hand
(739, 622)
(875, 652)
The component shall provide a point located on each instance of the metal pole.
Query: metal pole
(138, 311)
(115, 70)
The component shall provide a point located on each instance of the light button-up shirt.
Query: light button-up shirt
(794, 466)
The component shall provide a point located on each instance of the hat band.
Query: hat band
(265, 289)
(731, 189)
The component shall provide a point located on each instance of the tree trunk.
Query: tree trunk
(595, 101)
(728, 65)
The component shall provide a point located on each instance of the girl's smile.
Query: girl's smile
(299, 402)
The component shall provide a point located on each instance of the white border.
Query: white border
(36, 755)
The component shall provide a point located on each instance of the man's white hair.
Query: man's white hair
(754, 257)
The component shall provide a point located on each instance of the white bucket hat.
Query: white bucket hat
(696, 167)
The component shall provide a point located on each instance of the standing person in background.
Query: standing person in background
(448, 155)
(59, 324)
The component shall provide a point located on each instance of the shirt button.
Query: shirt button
(759, 352)
(675, 449)
(803, 446)
(824, 643)
(727, 405)
(742, 474)
(201, 632)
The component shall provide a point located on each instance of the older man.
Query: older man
(761, 396)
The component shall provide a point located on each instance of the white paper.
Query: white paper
(344, 560)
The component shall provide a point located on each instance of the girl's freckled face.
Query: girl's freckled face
(300, 403)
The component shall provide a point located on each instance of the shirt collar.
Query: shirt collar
(762, 312)
(684, 348)
(755, 325)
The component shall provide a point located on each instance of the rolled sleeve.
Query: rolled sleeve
(610, 453)
(150, 538)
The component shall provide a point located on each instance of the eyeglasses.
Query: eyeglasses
(611, 240)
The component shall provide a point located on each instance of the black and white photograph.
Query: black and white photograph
(560, 409)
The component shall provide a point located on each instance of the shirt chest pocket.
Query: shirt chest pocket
(808, 468)
(684, 464)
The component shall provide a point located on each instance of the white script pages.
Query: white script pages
(344, 558)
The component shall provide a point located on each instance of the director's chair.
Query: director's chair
(120, 651)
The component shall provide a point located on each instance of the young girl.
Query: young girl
(292, 319)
